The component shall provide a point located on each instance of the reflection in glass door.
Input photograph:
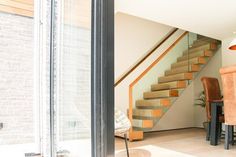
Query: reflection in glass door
(72, 79)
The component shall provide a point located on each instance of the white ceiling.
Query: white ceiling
(213, 18)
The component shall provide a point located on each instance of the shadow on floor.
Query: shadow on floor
(134, 153)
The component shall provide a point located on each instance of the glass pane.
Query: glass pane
(73, 77)
(17, 81)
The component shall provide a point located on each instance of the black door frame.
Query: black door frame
(102, 78)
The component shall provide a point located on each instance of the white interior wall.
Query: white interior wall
(134, 37)
(210, 18)
(228, 56)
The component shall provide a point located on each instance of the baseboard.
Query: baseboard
(175, 129)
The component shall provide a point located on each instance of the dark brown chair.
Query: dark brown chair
(213, 94)
(228, 75)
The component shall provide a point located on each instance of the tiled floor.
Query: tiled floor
(188, 141)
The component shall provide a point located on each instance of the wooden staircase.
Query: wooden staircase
(155, 103)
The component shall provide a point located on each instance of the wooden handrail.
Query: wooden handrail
(158, 59)
(146, 56)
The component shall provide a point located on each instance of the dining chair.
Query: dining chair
(228, 75)
(122, 126)
(212, 93)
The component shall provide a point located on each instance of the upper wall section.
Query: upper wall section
(134, 37)
(19, 7)
(209, 18)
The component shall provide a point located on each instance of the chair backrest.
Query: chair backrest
(122, 122)
(228, 75)
(212, 92)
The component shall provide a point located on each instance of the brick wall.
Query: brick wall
(16, 79)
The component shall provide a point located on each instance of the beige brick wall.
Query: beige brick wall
(16, 79)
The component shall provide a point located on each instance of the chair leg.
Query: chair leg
(126, 145)
(208, 131)
(231, 134)
(219, 131)
(227, 136)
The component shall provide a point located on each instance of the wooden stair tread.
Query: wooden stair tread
(206, 39)
(141, 129)
(160, 94)
(176, 77)
(150, 104)
(196, 60)
(201, 53)
(147, 113)
(201, 42)
(183, 69)
(168, 85)
(208, 46)
(142, 123)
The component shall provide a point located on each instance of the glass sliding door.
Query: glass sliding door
(56, 79)
(72, 71)
(81, 78)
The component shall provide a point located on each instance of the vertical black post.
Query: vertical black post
(214, 124)
(102, 78)
(208, 131)
(227, 136)
(231, 134)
